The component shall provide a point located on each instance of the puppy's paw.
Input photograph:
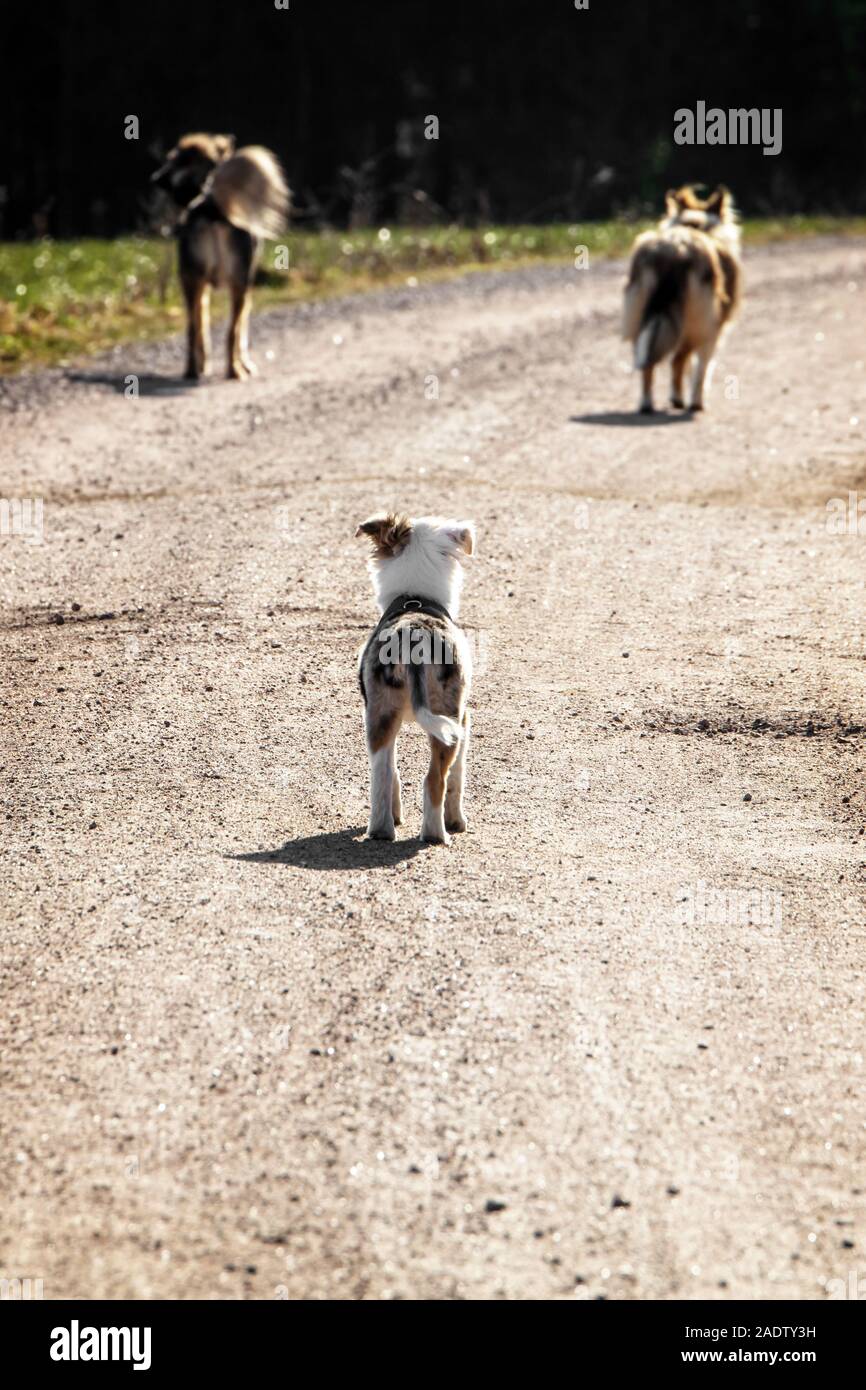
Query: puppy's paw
(435, 837)
(381, 832)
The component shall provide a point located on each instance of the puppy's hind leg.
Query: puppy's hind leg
(646, 394)
(455, 820)
(384, 781)
(679, 366)
(433, 826)
(396, 797)
(703, 372)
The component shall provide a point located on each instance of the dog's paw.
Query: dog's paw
(381, 832)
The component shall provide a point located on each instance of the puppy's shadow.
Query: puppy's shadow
(632, 418)
(337, 849)
(147, 385)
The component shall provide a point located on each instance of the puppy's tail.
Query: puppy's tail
(662, 322)
(438, 726)
(655, 300)
(250, 190)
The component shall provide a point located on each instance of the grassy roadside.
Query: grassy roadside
(63, 299)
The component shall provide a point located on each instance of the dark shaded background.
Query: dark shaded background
(546, 112)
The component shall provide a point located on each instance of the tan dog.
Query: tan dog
(683, 289)
(416, 666)
(231, 200)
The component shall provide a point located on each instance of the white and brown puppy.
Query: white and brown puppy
(416, 666)
(683, 290)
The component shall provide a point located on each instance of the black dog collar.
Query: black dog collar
(410, 604)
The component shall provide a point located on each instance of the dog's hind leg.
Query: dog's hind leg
(190, 295)
(454, 817)
(204, 330)
(384, 781)
(196, 293)
(433, 826)
(238, 366)
(246, 360)
(679, 366)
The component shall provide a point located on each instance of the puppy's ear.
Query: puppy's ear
(389, 533)
(462, 533)
(225, 145)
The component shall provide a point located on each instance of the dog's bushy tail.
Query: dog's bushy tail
(251, 192)
(439, 726)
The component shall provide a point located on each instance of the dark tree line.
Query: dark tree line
(545, 111)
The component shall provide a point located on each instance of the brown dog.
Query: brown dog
(683, 289)
(231, 200)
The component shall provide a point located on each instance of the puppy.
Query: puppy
(683, 289)
(231, 200)
(416, 666)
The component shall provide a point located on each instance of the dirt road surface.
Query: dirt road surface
(607, 1045)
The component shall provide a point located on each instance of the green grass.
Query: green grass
(62, 299)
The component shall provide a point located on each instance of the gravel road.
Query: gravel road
(610, 1043)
